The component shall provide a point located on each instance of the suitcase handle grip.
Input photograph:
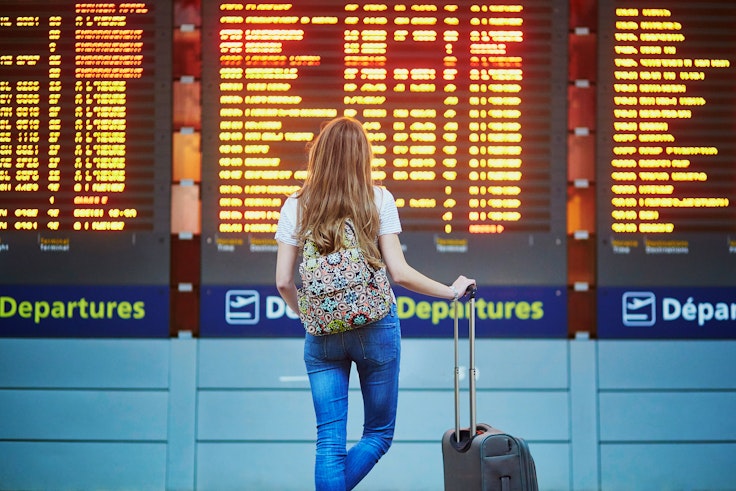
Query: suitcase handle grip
(471, 291)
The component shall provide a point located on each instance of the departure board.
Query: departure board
(667, 169)
(667, 156)
(463, 103)
(85, 141)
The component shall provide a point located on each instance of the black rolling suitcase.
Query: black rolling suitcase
(483, 457)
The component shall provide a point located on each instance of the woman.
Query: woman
(339, 186)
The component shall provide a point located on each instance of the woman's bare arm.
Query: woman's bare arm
(286, 258)
(405, 275)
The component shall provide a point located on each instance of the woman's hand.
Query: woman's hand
(462, 284)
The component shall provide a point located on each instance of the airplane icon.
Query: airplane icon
(637, 303)
(241, 307)
(638, 309)
(241, 301)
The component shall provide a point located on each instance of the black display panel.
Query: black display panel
(666, 155)
(85, 168)
(85, 142)
(456, 97)
(667, 169)
(464, 103)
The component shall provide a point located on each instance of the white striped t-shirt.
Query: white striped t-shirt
(388, 217)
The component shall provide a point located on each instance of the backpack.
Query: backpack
(341, 291)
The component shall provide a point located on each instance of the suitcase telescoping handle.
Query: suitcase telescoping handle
(471, 291)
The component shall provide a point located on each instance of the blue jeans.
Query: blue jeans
(375, 349)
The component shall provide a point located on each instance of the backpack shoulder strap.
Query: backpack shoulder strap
(351, 237)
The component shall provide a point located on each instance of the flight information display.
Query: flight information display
(456, 99)
(462, 102)
(85, 123)
(667, 163)
(667, 152)
(85, 168)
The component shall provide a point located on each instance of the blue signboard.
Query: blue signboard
(667, 313)
(84, 311)
(512, 312)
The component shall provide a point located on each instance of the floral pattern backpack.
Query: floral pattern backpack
(341, 291)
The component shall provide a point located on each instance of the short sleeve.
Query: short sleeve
(287, 226)
(388, 213)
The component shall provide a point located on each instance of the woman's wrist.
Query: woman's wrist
(455, 293)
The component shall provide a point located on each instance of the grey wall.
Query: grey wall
(236, 414)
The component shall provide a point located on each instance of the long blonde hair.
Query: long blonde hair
(338, 186)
